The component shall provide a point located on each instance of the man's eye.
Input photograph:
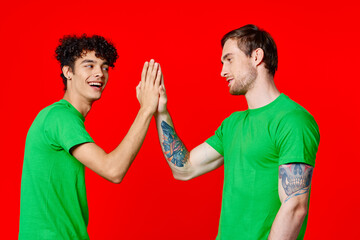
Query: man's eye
(89, 66)
(105, 68)
(229, 59)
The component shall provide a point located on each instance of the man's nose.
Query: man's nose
(224, 71)
(99, 73)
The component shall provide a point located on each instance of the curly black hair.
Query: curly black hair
(73, 47)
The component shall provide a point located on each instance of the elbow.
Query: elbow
(115, 177)
(114, 170)
(302, 211)
(116, 180)
(182, 176)
(299, 211)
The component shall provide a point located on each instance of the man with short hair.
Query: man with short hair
(53, 193)
(268, 151)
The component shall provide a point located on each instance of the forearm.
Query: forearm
(114, 165)
(119, 160)
(288, 221)
(159, 117)
(173, 148)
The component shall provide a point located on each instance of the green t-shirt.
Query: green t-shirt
(254, 143)
(53, 194)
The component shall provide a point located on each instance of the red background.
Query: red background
(318, 44)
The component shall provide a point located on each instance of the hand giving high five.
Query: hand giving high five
(147, 91)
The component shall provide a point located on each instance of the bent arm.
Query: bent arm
(113, 166)
(184, 165)
(294, 186)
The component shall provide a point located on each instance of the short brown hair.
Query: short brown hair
(249, 38)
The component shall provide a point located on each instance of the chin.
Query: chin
(95, 98)
(239, 92)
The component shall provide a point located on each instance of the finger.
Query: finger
(161, 90)
(143, 73)
(154, 73)
(158, 77)
(162, 82)
(149, 70)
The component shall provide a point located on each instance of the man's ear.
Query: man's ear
(67, 71)
(258, 56)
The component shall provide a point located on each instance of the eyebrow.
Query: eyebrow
(92, 61)
(225, 56)
(87, 61)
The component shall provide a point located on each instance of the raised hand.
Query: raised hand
(147, 91)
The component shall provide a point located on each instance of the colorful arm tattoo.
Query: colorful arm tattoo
(295, 179)
(174, 149)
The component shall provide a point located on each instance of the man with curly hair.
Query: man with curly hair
(53, 193)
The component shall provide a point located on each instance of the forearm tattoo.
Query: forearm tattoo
(174, 149)
(295, 179)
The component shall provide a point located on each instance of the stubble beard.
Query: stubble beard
(242, 84)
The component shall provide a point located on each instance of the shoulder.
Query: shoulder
(48, 120)
(60, 110)
(298, 117)
(49, 111)
(294, 115)
(59, 115)
(294, 120)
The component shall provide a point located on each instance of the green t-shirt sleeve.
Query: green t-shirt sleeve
(65, 129)
(298, 138)
(216, 141)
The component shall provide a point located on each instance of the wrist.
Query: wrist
(146, 112)
(162, 113)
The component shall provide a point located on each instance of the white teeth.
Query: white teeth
(95, 84)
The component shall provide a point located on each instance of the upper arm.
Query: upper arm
(64, 129)
(297, 138)
(294, 182)
(202, 159)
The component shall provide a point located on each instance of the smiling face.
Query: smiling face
(238, 69)
(88, 78)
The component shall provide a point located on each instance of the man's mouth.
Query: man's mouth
(96, 85)
(229, 80)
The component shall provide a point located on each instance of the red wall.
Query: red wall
(318, 44)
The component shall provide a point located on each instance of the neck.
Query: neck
(79, 104)
(262, 93)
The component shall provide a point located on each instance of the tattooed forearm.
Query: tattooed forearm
(174, 149)
(295, 179)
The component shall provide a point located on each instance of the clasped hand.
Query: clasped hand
(150, 92)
